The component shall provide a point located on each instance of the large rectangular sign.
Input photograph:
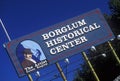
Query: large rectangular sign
(59, 41)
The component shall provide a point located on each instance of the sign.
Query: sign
(49, 45)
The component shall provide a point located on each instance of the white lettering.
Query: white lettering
(45, 36)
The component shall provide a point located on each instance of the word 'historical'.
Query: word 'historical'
(68, 36)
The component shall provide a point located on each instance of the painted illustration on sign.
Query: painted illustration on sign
(30, 54)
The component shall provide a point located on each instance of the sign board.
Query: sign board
(49, 45)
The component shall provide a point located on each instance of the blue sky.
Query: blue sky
(26, 16)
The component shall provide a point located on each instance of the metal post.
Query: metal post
(90, 65)
(61, 72)
(114, 53)
(29, 76)
(5, 30)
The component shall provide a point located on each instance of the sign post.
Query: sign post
(90, 65)
(29, 76)
(61, 72)
(114, 53)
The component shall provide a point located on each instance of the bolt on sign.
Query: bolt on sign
(54, 43)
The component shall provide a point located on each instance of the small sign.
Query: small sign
(54, 43)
